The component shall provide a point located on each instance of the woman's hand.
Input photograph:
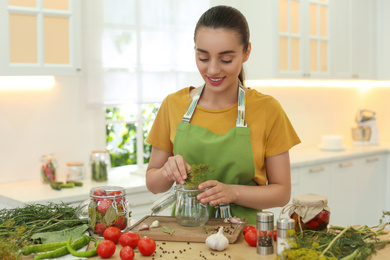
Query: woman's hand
(217, 193)
(175, 169)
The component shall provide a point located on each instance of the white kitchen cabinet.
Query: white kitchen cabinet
(353, 33)
(383, 51)
(290, 39)
(40, 38)
(370, 189)
(342, 196)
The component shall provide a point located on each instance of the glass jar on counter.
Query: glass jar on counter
(48, 168)
(75, 171)
(100, 165)
(107, 206)
(189, 211)
(310, 212)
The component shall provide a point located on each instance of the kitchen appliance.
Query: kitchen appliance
(366, 132)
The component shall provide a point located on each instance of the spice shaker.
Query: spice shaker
(285, 235)
(265, 233)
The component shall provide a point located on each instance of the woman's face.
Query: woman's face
(219, 57)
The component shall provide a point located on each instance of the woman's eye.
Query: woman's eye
(200, 59)
(226, 61)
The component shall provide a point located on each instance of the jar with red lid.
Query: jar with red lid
(310, 212)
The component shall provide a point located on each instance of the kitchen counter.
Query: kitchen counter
(38, 192)
(238, 251)
(134, 182)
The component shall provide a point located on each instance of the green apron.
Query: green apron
(230, 154)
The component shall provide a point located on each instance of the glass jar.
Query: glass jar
(75, 171)
(265, 233)
(107, 206)
(48, 168)
(100, 165)
(310, 212)
(190, 211)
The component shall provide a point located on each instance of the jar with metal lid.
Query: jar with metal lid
(107, 206)
(265, 233)
(48, 168)
(285, 235)
(75, 171)
(100, 165)
(189, 211)
(310, 212)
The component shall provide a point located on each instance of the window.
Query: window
(137, 52)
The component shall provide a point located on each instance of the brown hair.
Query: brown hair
(229, 18)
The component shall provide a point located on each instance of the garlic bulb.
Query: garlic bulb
(217, 241)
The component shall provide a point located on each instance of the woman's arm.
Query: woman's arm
(276, 194)
(164, 169)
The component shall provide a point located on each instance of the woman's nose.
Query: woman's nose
(213, 68)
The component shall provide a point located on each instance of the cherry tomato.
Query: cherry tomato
(112, 233)
(121, 223)
(248, 228)
(99, 193)
(129, 239)
(312, 225)
(251, 237)
(127, 253)
(106, 249)
(103, 205)
(146, 246)
(99, 228)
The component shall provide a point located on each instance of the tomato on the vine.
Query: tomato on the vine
(127, 253)
(251, 237)
(106, 248)
(146, 246)
(248, 228)
(129, 239)
(112, 233)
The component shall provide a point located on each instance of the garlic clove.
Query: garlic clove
(155, 224)
(143, 226)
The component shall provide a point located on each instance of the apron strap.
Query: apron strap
(191, 108)
(240, 122)
(241, 106)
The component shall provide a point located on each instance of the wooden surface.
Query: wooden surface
(187, 234)
(237, 251)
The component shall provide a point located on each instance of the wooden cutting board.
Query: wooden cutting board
(187, 234)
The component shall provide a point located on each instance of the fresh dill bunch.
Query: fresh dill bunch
(196, 175)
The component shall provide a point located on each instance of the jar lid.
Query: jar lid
(285, 223)
(310, 200)
(163, 203)
(99, 151)
(265, 216)
(74, 163)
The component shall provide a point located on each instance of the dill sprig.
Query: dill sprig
(17, 225)
(197, 175)
(347, 243)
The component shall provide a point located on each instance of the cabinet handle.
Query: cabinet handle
(347, 164)
(320, 169)
(370, 160)
(140, 204)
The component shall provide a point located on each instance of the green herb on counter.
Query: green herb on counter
(60, 235)
(19, 224)
(338, 243)
(168, 230)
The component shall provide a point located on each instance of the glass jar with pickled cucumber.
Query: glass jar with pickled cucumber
(100, 165)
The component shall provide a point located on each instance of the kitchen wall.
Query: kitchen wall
(36, 122)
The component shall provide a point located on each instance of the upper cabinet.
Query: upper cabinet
(40, 37)
(318, 39)
(353, 35)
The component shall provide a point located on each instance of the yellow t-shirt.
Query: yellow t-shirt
(270, 128)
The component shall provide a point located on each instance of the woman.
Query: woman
(243, 134)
